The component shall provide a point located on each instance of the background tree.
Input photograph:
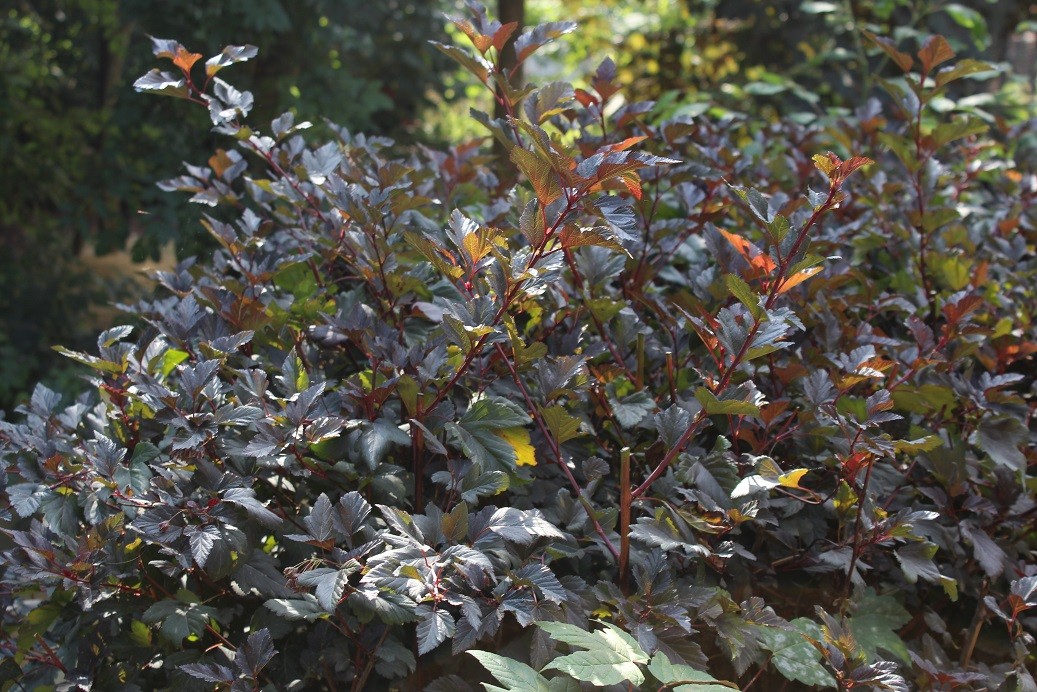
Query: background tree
(82, 154)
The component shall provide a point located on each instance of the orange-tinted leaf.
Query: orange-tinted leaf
(633, 183)
(903, 60)
(586, 99)
(752, 254)
(501, 35)
(798, 278)
(627, 143)
(935, 51)
(185, 59)
(219, 162)
(851, 165)
(540, 173)
(954, 312)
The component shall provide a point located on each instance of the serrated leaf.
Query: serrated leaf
(724, 407)
(875, 625)
(562, 425)
(515, 675)
(256, 653)
(434, 629)
(304, 608)
(518, 439)
(935, 51)
(673, 675)
(541, 175)
(793, 654)
(741, 290)
(1000, 439)
(598, 667)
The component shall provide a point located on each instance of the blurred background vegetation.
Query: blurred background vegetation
(82, 152)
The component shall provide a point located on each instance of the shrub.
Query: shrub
(761, 410)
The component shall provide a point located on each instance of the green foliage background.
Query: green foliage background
(82, 153)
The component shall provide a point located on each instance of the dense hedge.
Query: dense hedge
(702, 399)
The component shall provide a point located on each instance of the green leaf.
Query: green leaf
(598, 667)
(723, 407)
(514, 675)
(963, 68)
(946, 133)
(611, 657)
(631, 410)
(672, 675)
(971, 20)
(562, 425)
(741, 290)
(875, 624)
(793, 654)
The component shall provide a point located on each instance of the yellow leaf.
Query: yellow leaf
(791, 479)
(518, 438)
(824, 164)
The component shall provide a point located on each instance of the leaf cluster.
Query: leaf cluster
(761, 409)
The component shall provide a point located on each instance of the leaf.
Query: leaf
(793, 654)
(515, 675)
(256, 653)
(935, 51)
(756, 258)
(512, 524)
(724, 407)
(518, 438)
(969, 19)
(672, 675)
(562, 425)
(332, 586)
(164, 83)
(963, 68)
(1000, 438)
(741, 290)
(202, 541)
(320, 523)
(541, 175)
(543, 580)
(961, 127)
(987, 552)
(611, 658)
(304, 608)
(632, 409)
(209, 672)
(350, 512)
(434, 629)
(229, 56)
(798, 278)
(768, 475)
(377, 437)
(246, 498)
(25, 498)
(875, 624)
(903, 60)
(535, 37)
